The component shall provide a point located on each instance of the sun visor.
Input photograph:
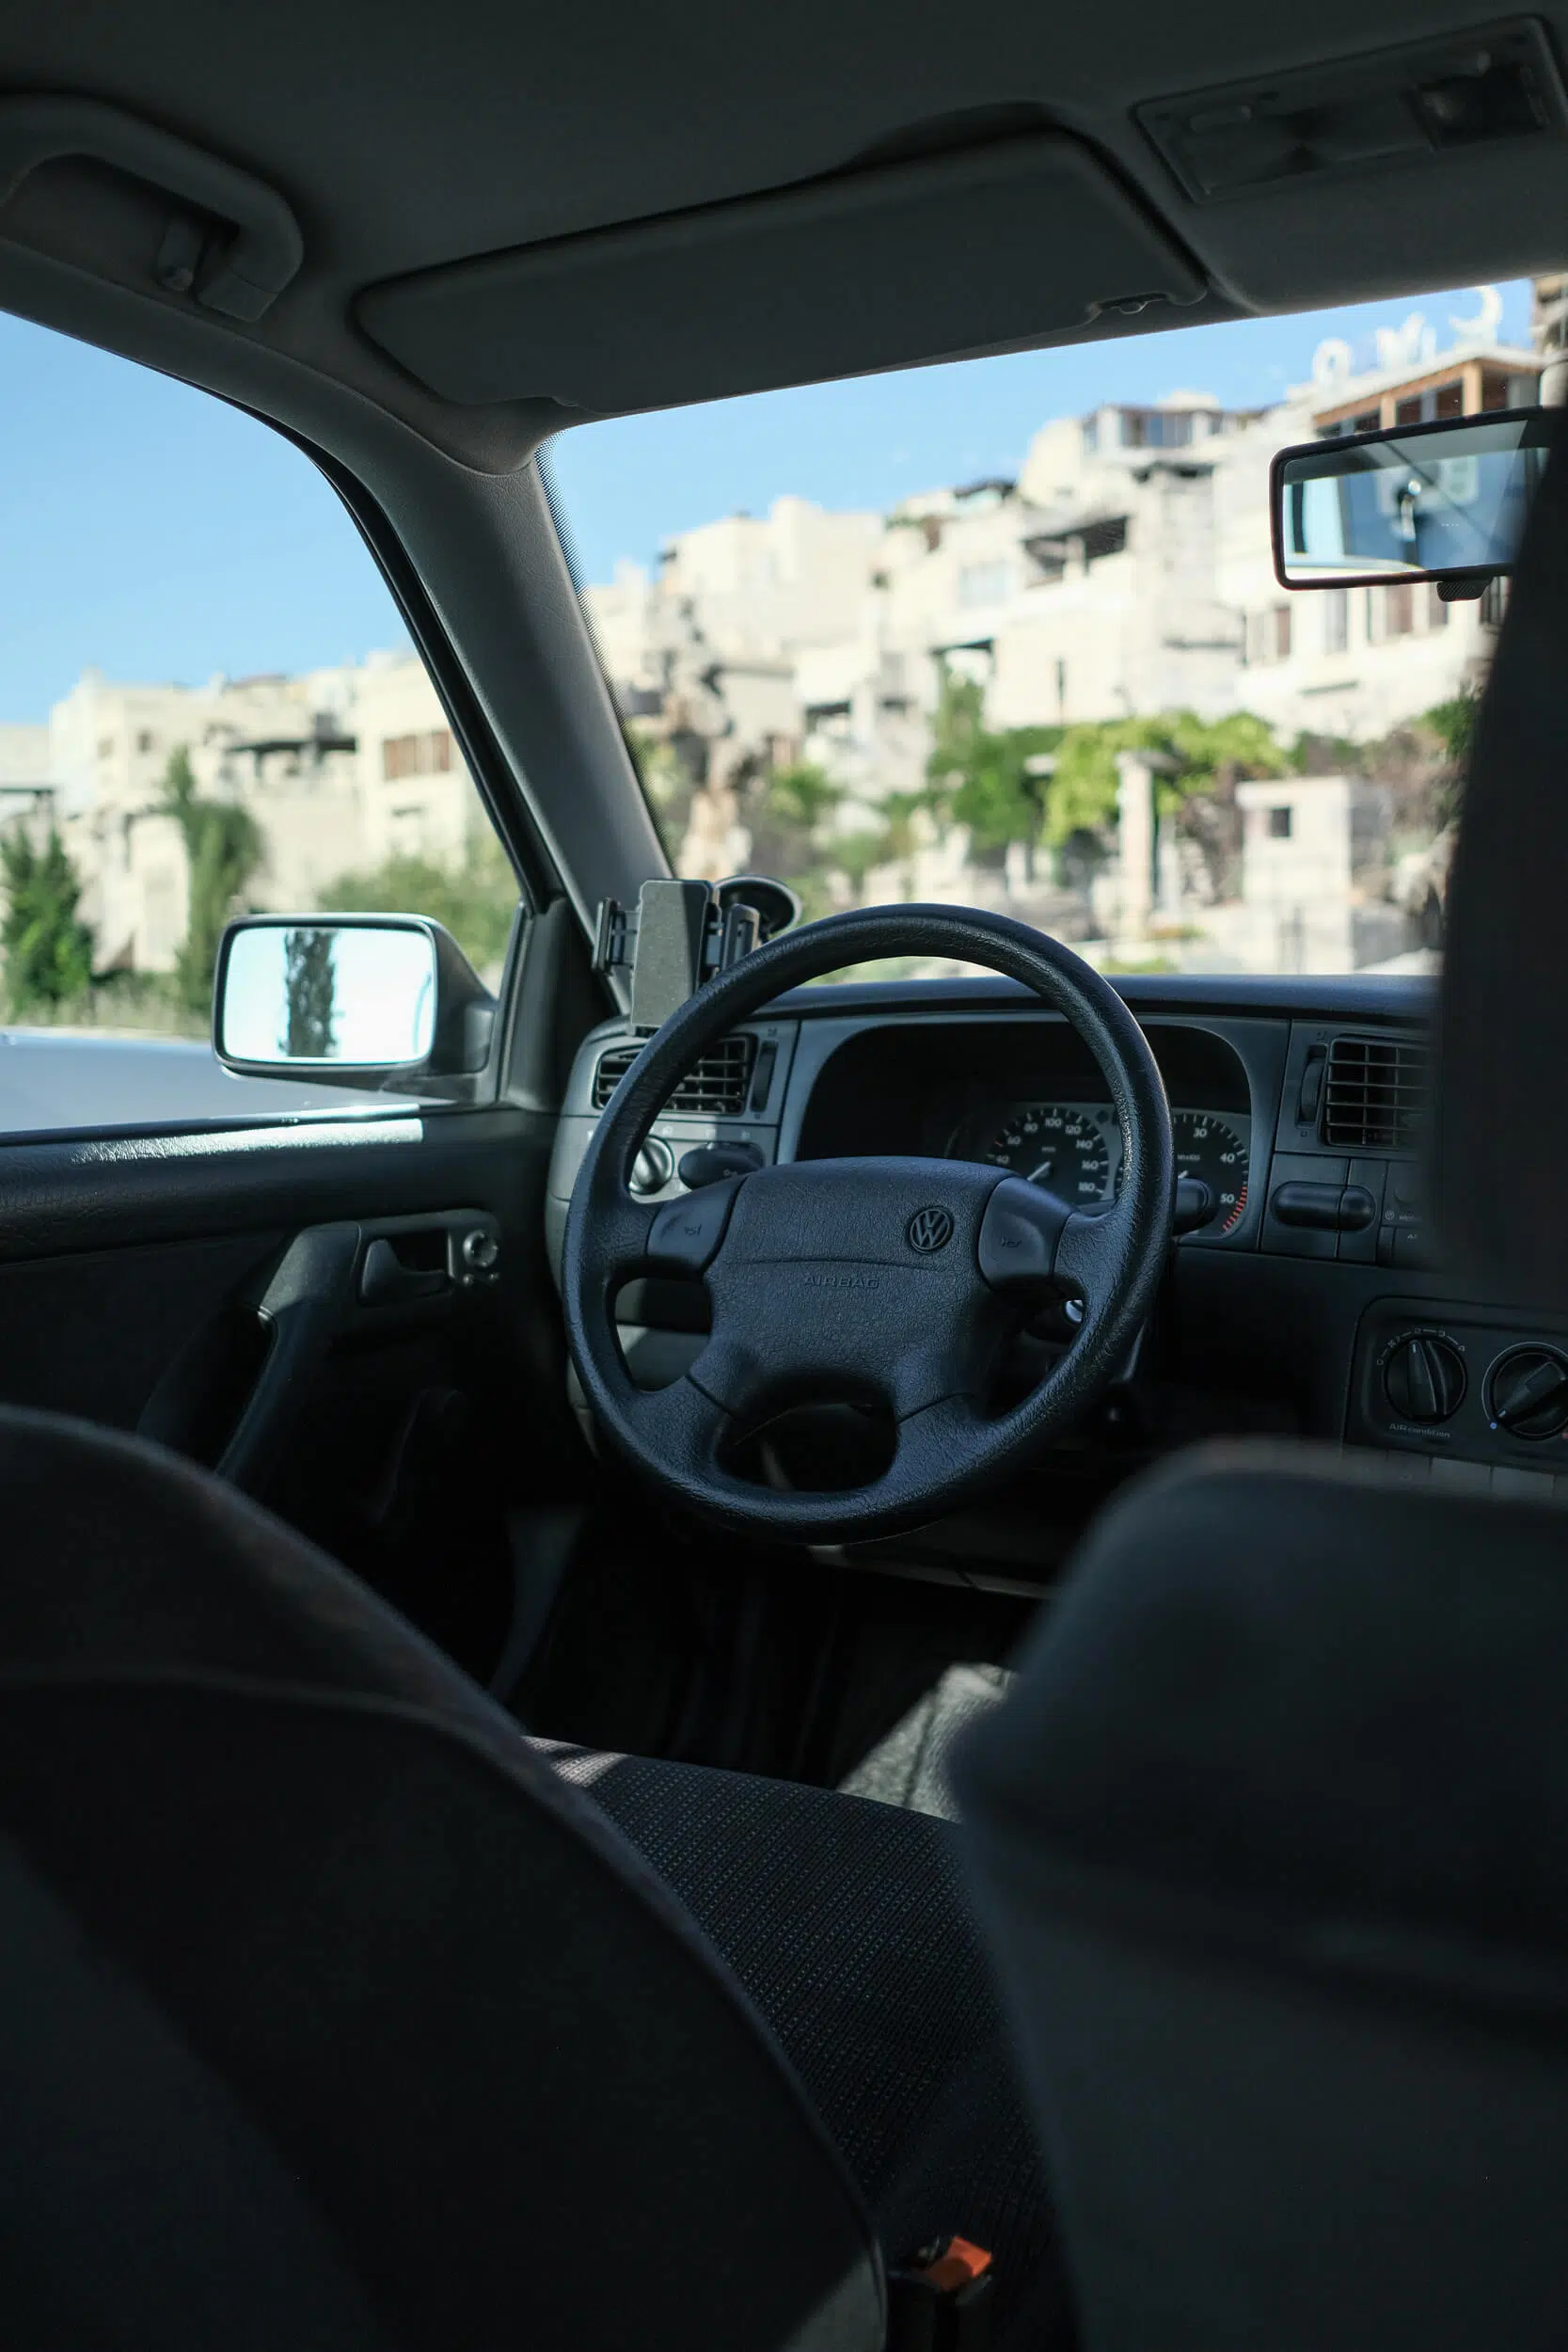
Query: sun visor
(881, 267)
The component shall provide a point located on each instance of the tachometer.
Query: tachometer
(1212, 1150)
(1063, 1150)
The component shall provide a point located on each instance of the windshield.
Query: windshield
(1007, 633)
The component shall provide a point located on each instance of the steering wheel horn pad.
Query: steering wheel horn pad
(890, 1280)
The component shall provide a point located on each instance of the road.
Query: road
(52, 1079)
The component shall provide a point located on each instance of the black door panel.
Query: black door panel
(296, 1305)
(95, 1333)
(96, 1192)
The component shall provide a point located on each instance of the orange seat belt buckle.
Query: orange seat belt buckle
(940, 2299)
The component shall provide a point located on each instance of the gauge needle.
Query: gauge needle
(1038, 1175)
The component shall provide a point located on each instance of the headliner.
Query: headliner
(406, 137)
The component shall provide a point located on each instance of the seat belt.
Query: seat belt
(940, 2299)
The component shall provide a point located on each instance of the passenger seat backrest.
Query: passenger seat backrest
(300, 1941)
(1272, 1838)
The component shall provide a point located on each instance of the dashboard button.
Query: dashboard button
(710, 1163)
(1461, 1478)
(686, 1234)
(1527, 1392)
(1522, 1485)
(1423, 1378)
(653, 1166)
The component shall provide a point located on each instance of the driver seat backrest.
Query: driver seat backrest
(1272, 1831)
(331, 2016)
(1272, 1838)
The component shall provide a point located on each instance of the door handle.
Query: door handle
(253, 268)
(384, 1280)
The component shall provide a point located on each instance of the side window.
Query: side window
(209, 705)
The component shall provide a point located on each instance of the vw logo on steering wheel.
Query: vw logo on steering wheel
(929, 1230)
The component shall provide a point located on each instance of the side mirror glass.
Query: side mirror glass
(351, 999)
(1444, 501)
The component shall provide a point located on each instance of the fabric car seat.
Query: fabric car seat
(338, 2014)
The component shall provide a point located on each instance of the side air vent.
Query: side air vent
(1376, 1095)
(716, 1089)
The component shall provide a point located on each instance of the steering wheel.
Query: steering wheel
(893, 1281)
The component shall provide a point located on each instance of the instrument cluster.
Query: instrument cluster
(1074, 1150)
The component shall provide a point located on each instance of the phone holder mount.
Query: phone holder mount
(682, 933)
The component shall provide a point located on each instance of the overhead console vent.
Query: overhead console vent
(716, 1089)
(1499, 83)
(885, 266)
(1376, 1094)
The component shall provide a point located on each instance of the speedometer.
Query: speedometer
(1212, 1150)
(1061, 1149)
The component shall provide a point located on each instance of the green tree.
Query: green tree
(310, 985)
(476, 897)
(990, 779)
(788, 812)
(667, 778)
(48, 947)
(223, 852)
(1454, 724)
(1207, 759)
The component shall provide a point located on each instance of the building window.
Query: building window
(1494, 603)
(1156, 428)
(1399, 609)
(424, 755)
(1091, 436)
(1107, 538)
(147, 741)
(1408, 411)
(1279, 823)
(985, 583)
(1449, 400)
(1280, 632)
(1437, 611)
(1336, 619)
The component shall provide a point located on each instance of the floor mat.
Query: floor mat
(910, 1767)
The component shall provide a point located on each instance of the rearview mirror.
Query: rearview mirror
(1442, 502)
(349, 999)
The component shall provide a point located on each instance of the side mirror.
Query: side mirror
(1443, 501)
(349, 1000)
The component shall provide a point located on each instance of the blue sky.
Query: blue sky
(150, 530)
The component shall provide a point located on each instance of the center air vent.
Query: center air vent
(716, 1089)
(1376, 1094)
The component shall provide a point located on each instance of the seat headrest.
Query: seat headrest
(1502, 1139)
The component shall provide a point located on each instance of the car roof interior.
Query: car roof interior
(802, 151)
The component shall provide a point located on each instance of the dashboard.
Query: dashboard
(1308, 1300)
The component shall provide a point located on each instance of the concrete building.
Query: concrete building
(26, 788)
(1127, 570)
(341, 768)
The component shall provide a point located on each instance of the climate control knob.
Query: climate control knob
(1423, 1378)
(1528, 1392)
